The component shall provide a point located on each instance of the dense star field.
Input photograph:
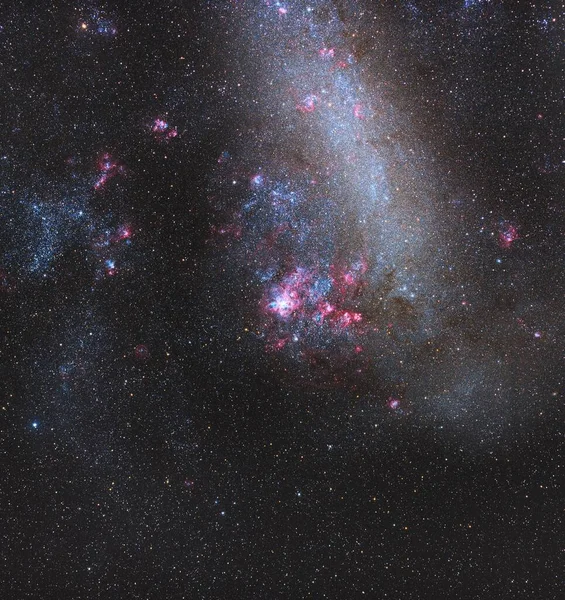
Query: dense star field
(282, 299)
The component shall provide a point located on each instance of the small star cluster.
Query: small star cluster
(282, 299)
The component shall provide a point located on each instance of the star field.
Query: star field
(282, 299)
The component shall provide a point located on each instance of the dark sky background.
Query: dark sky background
(282, 299)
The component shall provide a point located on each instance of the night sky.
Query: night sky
(282, 299)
